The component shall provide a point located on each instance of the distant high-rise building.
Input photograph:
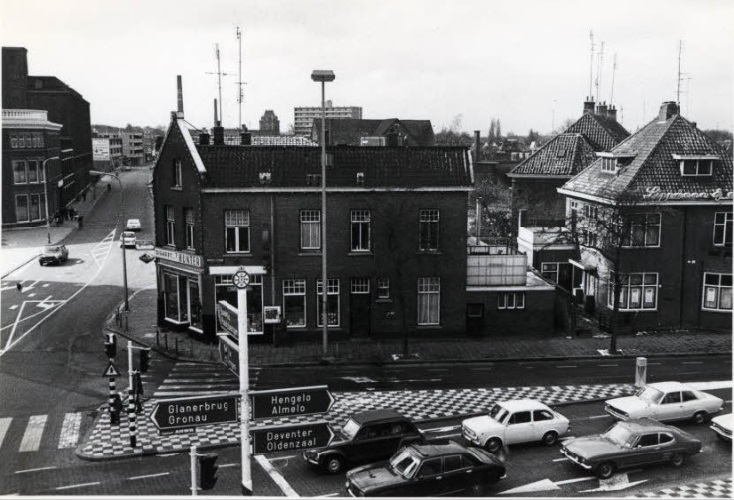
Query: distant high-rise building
(269, 122)
(304, 117)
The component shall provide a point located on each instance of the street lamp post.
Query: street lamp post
(323, 76)
(122, 242)
(45, 194)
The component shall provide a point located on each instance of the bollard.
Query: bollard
(640, 372)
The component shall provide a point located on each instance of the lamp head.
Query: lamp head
(322, 75)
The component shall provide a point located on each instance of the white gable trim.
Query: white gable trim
(190, 145)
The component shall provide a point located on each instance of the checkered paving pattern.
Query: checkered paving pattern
(106, 441)
(719, 488)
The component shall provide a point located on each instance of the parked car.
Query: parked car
(666, 401)
(133, 225)
(53, 254)
(433, 469)
(513, 422)
(128, 239)
(366, 437)
(722, 426)
(631, 443)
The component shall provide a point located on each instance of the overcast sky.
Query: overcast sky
(526, 62)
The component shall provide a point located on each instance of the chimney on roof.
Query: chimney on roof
(612, 112)
(217, 129)
(246, 138)
(204, 139)
(588, 106)
(667, 111)
(179, 87)
(476, 146)
(601, 109)
(391, 138)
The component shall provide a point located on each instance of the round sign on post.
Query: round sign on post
(241, 279)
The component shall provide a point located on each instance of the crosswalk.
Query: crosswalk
(196, 379)
(37, 431)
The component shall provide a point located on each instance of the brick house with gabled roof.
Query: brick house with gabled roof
(677, 264)
(359, 132)
(396, 236)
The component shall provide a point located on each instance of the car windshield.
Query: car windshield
(620, 435)
(404, 463)
(128, 234)
(649, 394)
(350, 429)
(498, 413)
(51, 249)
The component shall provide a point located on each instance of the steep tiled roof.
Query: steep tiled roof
(232, 138)
(240, 166)
(565, 155)
(653, 165)
(603, 133)
(348, 131)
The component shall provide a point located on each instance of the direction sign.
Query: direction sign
(291, 437)
(175, 415)
(290, 402)
(111, 371)
(241, 279)
(227, 317)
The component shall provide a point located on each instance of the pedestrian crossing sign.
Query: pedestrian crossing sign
(111, 371)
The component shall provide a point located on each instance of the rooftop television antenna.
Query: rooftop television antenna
(219, 82)
(240, 83)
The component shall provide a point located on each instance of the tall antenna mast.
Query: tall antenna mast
(598, 70)
(239, 79)
(591, 64)
(219, 83)
(680, 50)
(614, 70)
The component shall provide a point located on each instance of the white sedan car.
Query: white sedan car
(133, 225)
(722, 426)
(665, 401)
(513, 422)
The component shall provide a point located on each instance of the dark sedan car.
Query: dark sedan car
(368, 436)
(420, 470)
(631, 443)
(53, 254)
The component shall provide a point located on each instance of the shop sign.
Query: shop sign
(654, 193)
(179, 257)
(227, 317)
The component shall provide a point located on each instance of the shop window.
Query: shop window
(237, 230)
(638, 292)
(21, 208)
(429, 301)
(332, 302)
(717, 292)
(294, 303)
(225, 290)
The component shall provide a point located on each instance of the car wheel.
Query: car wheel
(493, 445)
(604, 470)
(677, 459)
(333, 464)
(700, 417)
(477, 490)
(550, 438)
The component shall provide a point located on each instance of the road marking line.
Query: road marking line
(693, 362)
(575, 480)
(33, 432)
(148, 476)
(44, 285)
(329, 495)
(15, 306)
(567, 366)
(599, 416)
(70, 430)
(34, 470)
(415, 380)
(76, 485)
(560, 459)
(4, 424)
(32, 294)
(227, 465)
(276, 477)
(603, 365)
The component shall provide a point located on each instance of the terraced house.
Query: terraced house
(397, 219)
(676, 261)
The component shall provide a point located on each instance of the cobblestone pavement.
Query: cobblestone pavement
(718, 488)
(107, 441)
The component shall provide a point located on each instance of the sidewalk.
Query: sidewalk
(22, 245)
(176, 345)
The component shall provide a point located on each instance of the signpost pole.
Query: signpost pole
(244, 387)
(194, 463)
(131, 415)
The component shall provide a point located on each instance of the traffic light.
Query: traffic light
(208, 471)
(110, 349)
(137, 384)
(144, 360)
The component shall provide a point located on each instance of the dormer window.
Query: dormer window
(609, 165)
(612, 162)
(696, 165)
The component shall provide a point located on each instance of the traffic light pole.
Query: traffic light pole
(244, 387)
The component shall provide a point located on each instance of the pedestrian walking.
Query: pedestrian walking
(19, 286)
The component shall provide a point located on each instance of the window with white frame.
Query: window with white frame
(609, 165)
(591, 212)
(511, 300)
(20, 175)
(589, 238)
(722, 229)
(310, 229)
(638, 292)
(189, 220)
(360, 220)
(550, 270)
(716, 292)
(644, 230)
(177, 174)
(237, 231)
(429, 228)
(332, 302)
(360, 286)
(429, 301)
(294, 303)
(383, 288)
(33, 171)
(170, 226)
(696, 167)
(30, 207)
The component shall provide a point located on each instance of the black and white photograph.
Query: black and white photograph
(334, 249)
